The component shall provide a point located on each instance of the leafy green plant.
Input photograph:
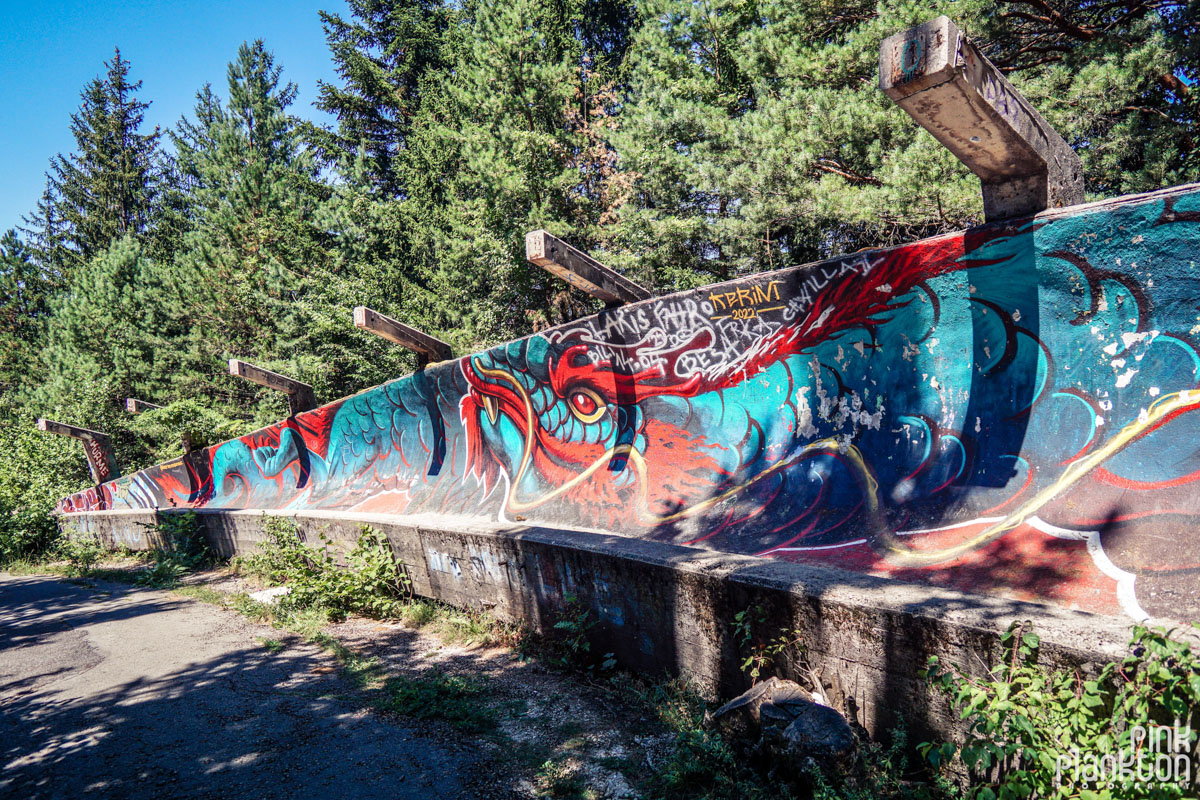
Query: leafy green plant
(881, 771)
(569, 643)
(701, 763)
(1029, 728)
(181, 550)
(761, 652)
(378, 584)
(81, 550)
(162, 574)
(371, 582)
(35, 471)
(180, 535)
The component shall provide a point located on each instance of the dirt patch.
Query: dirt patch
(565, 735)
(552, 733)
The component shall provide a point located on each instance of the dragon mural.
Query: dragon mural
(1002, 410)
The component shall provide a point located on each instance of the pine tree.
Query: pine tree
(1117, 80)
(391, 56)
(384, 55)
(502, 148)
(255, 250)
(106, 188)
(26, 292)
(758, 138)
(107, 327)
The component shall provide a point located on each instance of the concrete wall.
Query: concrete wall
(1003, 411)
(667, 609)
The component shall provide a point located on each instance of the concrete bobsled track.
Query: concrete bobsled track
(1000, 417)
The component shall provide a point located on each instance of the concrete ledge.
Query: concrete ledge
(666, 609)
(133, 528)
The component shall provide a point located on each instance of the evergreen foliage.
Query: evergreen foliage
(759, 138)
(25, 295)
(105, 189)
(254, 250)
(383, 55)
(107, 326)
(35, 471)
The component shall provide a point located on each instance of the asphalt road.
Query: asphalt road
(130, 693)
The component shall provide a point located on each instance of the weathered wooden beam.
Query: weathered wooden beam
(300, 395)
(135, 406)
(943, 81)
(425, 346)
(581, 270)
(102, 461)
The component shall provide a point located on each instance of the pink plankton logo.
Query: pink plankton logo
(1157, 754)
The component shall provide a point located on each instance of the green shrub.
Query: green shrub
(568, 644)
(701, 763)
(371, 582)
(181, 550)
(81, 551)
(36, 470)
(1029, 728)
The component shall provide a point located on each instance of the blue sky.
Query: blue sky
(50, 48)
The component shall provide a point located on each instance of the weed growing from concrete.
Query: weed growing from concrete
(568, 643)
(1037, 733)
(80, 550)
(181, 550)
(762, 652)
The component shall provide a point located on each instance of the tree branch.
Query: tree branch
(1053, 17)
(828, 165)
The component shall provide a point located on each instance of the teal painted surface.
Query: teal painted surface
(1003, 410)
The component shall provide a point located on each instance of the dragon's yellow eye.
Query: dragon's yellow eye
(586, 405)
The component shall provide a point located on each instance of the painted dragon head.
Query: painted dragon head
(559, 425)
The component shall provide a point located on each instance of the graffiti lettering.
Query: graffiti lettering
(742, 302)
(988, 411)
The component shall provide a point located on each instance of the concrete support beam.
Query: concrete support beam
(96, 446)
(941, 79)
(425, 346)
(581, 270)
(134, 406)
(300, 395)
